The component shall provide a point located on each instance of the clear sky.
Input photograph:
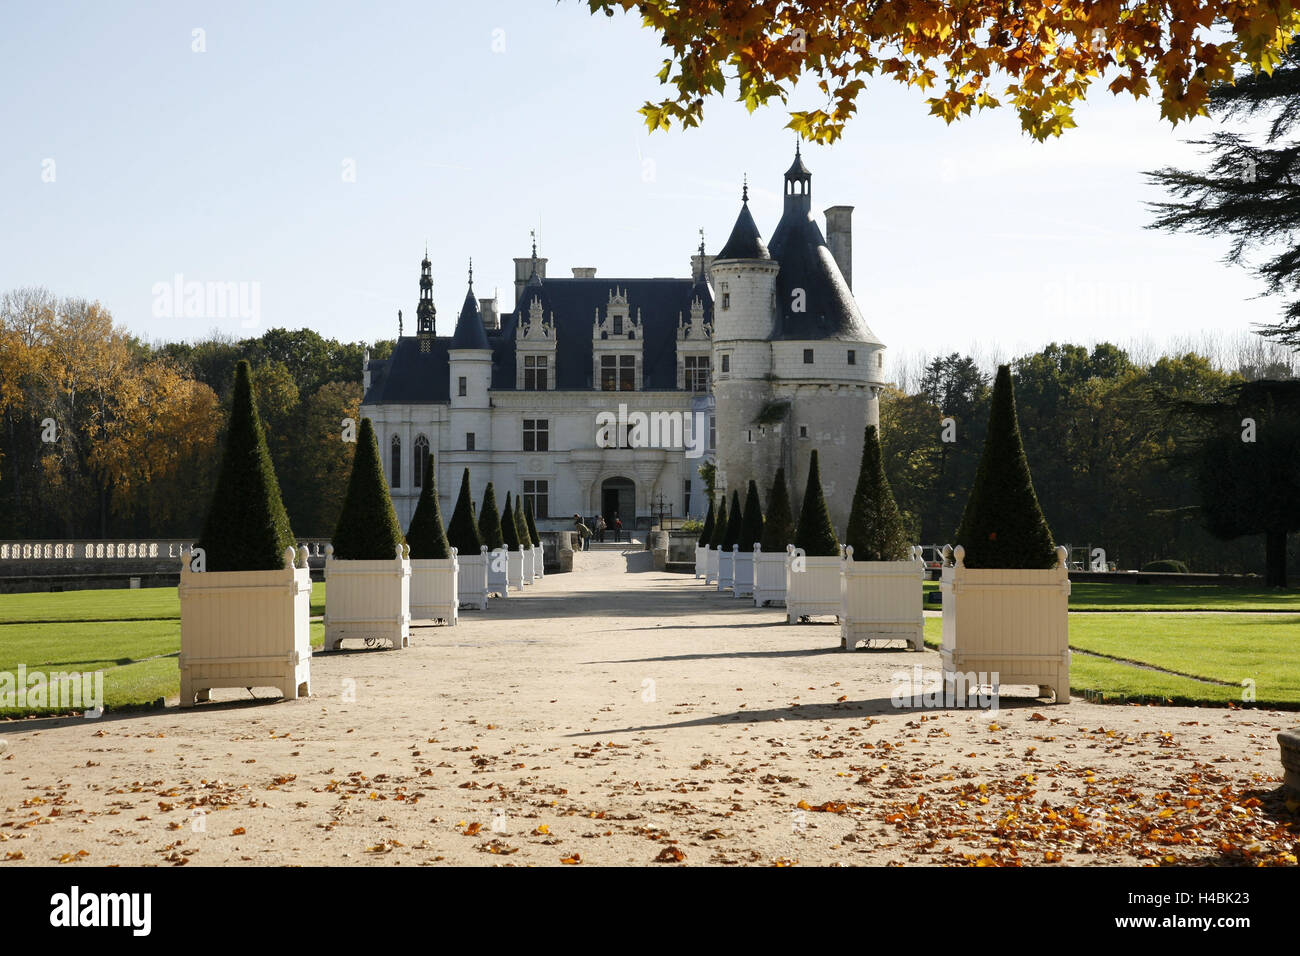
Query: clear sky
(468, 124)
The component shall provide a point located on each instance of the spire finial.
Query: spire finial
(744, 191)
(701, 242)
(797, 138)
(533, 234)
(471, 271)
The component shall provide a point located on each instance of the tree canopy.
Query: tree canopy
(1038, 57)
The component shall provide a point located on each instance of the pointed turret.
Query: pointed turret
(469, 326)
(425, 314)
(745, 241)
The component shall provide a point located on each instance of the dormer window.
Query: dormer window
(618, 325)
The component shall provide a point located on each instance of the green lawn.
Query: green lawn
(1126, 596)
(138, 658)
(1226, 648)
(122, 604)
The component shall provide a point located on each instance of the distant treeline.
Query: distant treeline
(102, 435)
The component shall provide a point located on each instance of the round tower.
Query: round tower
(744, 282)
(470, 363)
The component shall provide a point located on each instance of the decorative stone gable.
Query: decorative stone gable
(535, 350)
(694, 348)
(617, 340)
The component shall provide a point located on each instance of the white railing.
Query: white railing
(96, 550)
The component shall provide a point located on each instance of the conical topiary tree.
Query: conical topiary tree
(368, 529)
(1003, 525)
(751, 527)
(489, 520)
(778, 529)
(815, 533)
(426, 535)
(532, 525)
(719, 525)
(247, 528)
(706, 533)
(735, 517)
(510, 530)
(463, 533)
(521, 523)
(875, 526)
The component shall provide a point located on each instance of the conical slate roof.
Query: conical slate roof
(745, 242)
(469, 327)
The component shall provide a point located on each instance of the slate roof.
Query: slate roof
(807, 264)
(745, 242)
(469, 332)
(414, 377)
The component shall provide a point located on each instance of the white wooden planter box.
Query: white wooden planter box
(813, 591)
(497, 567)
(726, 570)
(881, 601)
(245, 629)
(701, 561)
(435, 589)
(515, 569)
(1012, 623)
(472, 580)
(711, 557)
(539, 562)
(742, 573)
(769, 576)
(527, 558)
(367, 600)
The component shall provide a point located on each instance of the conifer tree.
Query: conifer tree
(1003, 525)
(719, 525)
(706, 533)
(368, 529)
(489, 520)
(815, 534)
(521, 523)
(509, 530)
(751, 527)
(247, 527)
(778, 529)
(735, 518)
(426, 535)
(875, 526)
(532, 525)
(463, 533)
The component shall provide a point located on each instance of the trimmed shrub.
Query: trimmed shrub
(1167, 565)
(719, 525)
(815, 533)
(706, 534)
(532, 525)
(875, 527)
(426, 535)
(751, 526)
(525, 536)
(778, 529)
(489, 520)
(463, 533)
(735, 518)
(1003, 525)
(247, 528)
(368, 529)
(509, 530)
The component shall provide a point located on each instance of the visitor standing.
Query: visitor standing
(600, 528)
(584, 533)
(618, 527)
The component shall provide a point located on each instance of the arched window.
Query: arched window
(417, 462)
(395, 470)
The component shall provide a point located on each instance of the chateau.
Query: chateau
(763, 347)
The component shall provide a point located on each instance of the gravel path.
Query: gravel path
(617, 715)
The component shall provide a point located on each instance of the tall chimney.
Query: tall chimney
(524, 270)
(584, 272)
(491, 318)
(839, 238)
